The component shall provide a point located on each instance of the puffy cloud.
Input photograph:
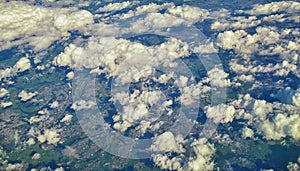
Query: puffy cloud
(166, 142)
(137, 108)
(21, 65)
(67, 118)
(293, 166)
(43, 112)
(6, 104)
(59, 169)
(25, 96)
(3, 92)
(164, 162)
(150, 8)
(83, 104)
(279, 69)
(36, 119)
(154, 21)
(203, 159)
(218, 78)
(247, 133)
(122, 58)
(296, 98)
(247, 44)
(200, 154)
(116, 6)
(189, 13)
(36, 156)
(30, 141)
(234, 23)
(49, 136)
(275, 17)
(261, 108)
(289, 96)
(70, 54)
(190, 94)
(38, 25)
(274, 121)
(275, 7)
(281, 126)
(70, 75)
(221, 113)
(16, 166)
(54, 105)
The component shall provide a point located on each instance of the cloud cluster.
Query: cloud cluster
(49, 135)
(234, 23)
(107, 52)
(139, 109)
(23, 64)
(164, 162)
(203, 159)
(274, 121)
(294, 166)
(199, 156)
(39, 26)
(116, 6)
(128, 61)
(274, 7)
(15, 166)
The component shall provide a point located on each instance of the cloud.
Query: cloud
(234, 23)
(189, 13)
(3, 92)
(122, 58)
(154, 21)
(166, 142)
(294, 166)
(221, 113)
(36, 156)
(136, 109)
(15, 166)
(54, 105)
(23, 64)
(59, 169)
(49, 135)
(117, 6)
(6, 104)
(218, 78)
(83, 104)
(275, 7)
(70, 75)
(39, 26)
(150, 8)
(274, 121)
(164, 162)
(203, 159)
(281, 126)
(25, 96)
(206, 48)
(67, 118)
(247, 133)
